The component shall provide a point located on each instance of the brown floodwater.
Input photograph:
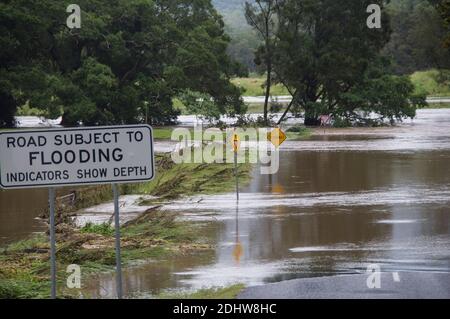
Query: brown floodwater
(341, 200)
(19, 210)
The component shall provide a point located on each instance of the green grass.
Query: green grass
(104, 229)
(165, 133)
(22, 288)
(162, 133)
(432, 82)
(438, 106)
(254, 86)
(298, 132)
(37, 241)
(230, 292)
(154, 235)
(259, 108)
(189, 179)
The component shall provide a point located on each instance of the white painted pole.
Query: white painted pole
(51, 201)
(118, 254)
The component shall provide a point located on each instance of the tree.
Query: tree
(126, 63)
(261, 17)
(20, 51)
(417, 37)
(326, 54)
(389, 96)
(443, 9)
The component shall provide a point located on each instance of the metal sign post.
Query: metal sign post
(117, 231)
(51, 201)
(77, 156)
(236, 145)
(237, 177)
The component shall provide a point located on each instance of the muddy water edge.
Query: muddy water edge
(340, 201)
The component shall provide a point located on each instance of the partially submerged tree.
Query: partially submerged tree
(326, 55)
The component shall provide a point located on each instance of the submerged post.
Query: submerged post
(117, 231)
(236, 144)
(51, 201)
(236, 173)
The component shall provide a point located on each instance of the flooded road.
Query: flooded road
(340, 202)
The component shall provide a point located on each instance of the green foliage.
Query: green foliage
(389, 96)
(443, 8)
(297, 129)
(104, 229)
(333, 46)
(200, 104)
(298, 132)
(244, 40)
(432, 82)
(7, 109)
(26, 110)
(262, 17)
(125, 65)
(254, 86)
(230, 292)
(417, 37)
(33, 242)
(189, 179)
(11, 289)
(418, 32)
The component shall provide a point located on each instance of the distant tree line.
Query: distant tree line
(131, 59)
(330, 61)
(125, 64)
(415, 43)
(418, 35)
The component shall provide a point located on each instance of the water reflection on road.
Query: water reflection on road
(339, 202)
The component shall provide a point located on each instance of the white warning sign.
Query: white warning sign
(63, 157)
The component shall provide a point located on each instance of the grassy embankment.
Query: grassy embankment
(253, 86)
(297, 133)
(433, 83)
(230, 292)
(155, 235)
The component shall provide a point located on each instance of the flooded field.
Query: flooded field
(342, 200)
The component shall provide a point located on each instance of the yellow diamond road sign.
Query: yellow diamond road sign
(276, 137)
(236, 142)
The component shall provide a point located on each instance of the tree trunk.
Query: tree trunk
(311, 121)
(269, 68)
(8, 109)
(269, 84)
(311, 117)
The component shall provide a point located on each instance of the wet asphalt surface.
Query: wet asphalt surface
(411, 285)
